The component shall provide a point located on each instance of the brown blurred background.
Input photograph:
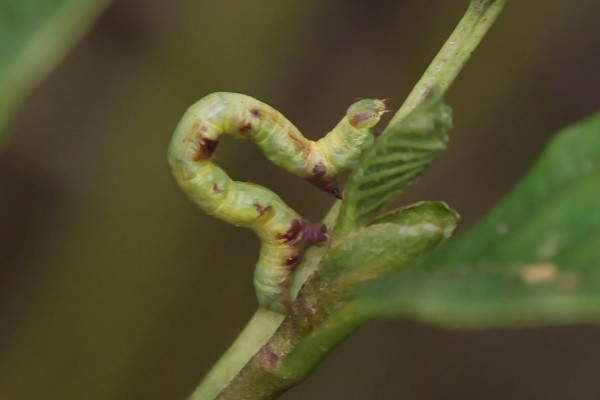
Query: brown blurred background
(113, 286)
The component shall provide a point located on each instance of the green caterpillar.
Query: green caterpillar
(283, 233)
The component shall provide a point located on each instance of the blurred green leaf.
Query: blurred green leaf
(34, 37)
(436, 212)
(391, 244)
(535, 259)
(396, 160)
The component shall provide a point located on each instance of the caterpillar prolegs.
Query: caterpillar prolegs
(283, 233)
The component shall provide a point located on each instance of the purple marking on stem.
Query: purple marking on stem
(268, 355)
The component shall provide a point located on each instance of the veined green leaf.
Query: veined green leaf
(394, 243)
(535, 259)
(391, 243)
(34, 37)
(396, 160)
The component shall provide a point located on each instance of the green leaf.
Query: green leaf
(400, 235)
(435, 212)
(535, 259)
(34, 37)
(396, 160)
(391, 244)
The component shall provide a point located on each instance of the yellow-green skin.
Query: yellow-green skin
(283, 233)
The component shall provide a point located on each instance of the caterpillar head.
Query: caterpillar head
(365, 113)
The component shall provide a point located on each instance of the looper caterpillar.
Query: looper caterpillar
(283, 233)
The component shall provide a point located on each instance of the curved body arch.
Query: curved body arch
(283, 233)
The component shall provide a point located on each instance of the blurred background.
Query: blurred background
(114, 286)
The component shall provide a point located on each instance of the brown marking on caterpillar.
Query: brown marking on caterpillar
(320, 169)
(245, 128)
(324, 230)
(480, 4)
(292, 261)
(376, 111)
(284, 296)
(300, 145)
(262, 210)
(293, 234)
(320, 179)
(360, 117)
(197, 127)
(206, 149)
(216, 188)
(256, 113)
(303, 232)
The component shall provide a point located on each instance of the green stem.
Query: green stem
(301, 349)
(454, 54)
(315, 346)
(273, 353)
(257, 332)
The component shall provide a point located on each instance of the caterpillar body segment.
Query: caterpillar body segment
(283, 233)
(242, 116)
(272, 277)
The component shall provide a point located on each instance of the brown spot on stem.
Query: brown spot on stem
(262, 210)
(206, 149)
(245, 128)
(320, 179)
(426, 94)
(268, 356)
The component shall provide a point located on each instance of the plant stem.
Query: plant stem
(300, 349)
(279, 352)
(257, 332)
(454, 54)
(315, 346)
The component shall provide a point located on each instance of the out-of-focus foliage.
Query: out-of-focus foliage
(534, 259)
(34, 37)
